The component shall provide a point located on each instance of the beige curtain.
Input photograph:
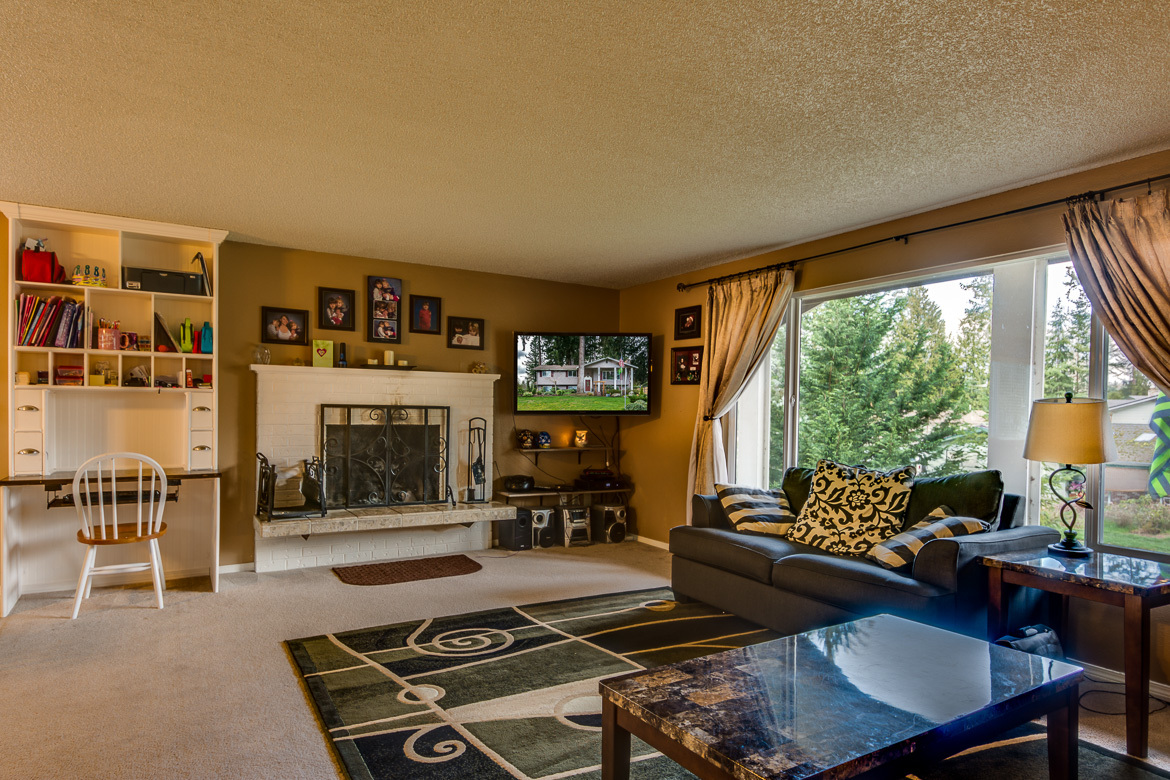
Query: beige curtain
(742, 317)
(1122, 258)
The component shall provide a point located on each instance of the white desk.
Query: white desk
(16, 531)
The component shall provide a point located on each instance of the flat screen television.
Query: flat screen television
(583, 373)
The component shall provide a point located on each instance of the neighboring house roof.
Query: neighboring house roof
(1133, 400)
(551, 367)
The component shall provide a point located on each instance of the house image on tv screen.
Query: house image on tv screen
(598, 377)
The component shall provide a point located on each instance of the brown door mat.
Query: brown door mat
(393, 572)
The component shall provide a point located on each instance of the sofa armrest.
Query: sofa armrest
(940, 562)
(707, 512)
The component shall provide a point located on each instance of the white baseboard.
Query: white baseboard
(652, 542)
(1161, 690)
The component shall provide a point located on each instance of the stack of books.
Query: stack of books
(50, 322)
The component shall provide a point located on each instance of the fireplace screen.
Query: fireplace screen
(384, 455)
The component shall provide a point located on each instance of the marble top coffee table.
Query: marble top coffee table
(838, 702)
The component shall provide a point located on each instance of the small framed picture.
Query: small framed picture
(688, 322)
(335, 308)
(426, 314)
(383, 301)
(284, 326)
(686, 365)
(465, 333)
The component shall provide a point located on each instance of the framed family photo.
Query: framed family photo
(336, 309)
(383, 309)
(426, 314)
(688, 322)
(686, 365)
(465, 333)
(284, 326)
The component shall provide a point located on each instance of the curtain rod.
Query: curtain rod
(905, 237)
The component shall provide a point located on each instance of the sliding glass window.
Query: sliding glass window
(939, 373)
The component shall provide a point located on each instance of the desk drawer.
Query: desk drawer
(202, 411)
(29, 456)
(30, 411)
(202, 454)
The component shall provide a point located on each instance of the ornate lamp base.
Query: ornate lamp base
(1069, 544)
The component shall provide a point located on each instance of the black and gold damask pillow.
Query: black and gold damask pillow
(852, 508)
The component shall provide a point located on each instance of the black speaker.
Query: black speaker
(608, 522)
(516, 534)
(544, 528)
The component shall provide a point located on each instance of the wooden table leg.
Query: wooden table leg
(1062, 737)
(615, 745)
(1137, 676)
(997, 607)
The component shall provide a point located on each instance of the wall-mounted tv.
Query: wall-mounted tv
(583, 373)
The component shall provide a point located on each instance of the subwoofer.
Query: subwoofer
(608, 522)
(544, 531)
(516, 533)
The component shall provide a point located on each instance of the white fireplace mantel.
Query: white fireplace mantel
(288, 403)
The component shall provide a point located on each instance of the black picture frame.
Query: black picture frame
(275, 319)
(426, 314)
(384, 309)
(336, 309)
(686, 365)
(465, 333)
(688, 323)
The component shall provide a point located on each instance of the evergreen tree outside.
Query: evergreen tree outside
(880, 384)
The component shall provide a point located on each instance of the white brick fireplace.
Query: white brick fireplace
(288, 402)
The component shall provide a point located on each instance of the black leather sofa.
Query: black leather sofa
(791, 587)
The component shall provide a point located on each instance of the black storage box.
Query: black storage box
(154, 280)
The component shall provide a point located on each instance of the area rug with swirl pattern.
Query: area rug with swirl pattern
(512, 693)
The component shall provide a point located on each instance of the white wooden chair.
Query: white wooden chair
(97, 509)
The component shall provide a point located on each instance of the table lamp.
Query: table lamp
(1069, 430)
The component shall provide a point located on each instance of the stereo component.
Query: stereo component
(574, 523)
(608, 522)
(544, 527)
(516, 533)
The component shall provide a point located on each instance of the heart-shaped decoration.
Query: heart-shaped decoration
(321, 351)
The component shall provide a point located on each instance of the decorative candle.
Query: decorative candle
(388, 357)
(404, 362)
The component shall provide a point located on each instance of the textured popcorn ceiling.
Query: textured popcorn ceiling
(601, 142)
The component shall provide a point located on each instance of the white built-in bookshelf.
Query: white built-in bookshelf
(76, 402)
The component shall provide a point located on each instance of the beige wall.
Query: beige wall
(252, 276)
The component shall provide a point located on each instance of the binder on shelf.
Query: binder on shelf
(163, 336)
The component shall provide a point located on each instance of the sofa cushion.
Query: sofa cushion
(797, 483)
(975, 494)
(747, 554)
(756, 510)
(852, 508)
(856, 585)
(898, 552)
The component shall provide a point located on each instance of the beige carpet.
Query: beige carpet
(204, 689)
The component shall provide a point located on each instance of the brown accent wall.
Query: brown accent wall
(658, 448)
(252, 276)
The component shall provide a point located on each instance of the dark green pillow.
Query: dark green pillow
(972, 494)
(797, 484)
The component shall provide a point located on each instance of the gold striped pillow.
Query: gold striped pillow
(899, 552)
(755, 510)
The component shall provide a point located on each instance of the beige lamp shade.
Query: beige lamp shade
(1077, 431)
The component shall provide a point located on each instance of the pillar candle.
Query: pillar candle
(388, 357)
